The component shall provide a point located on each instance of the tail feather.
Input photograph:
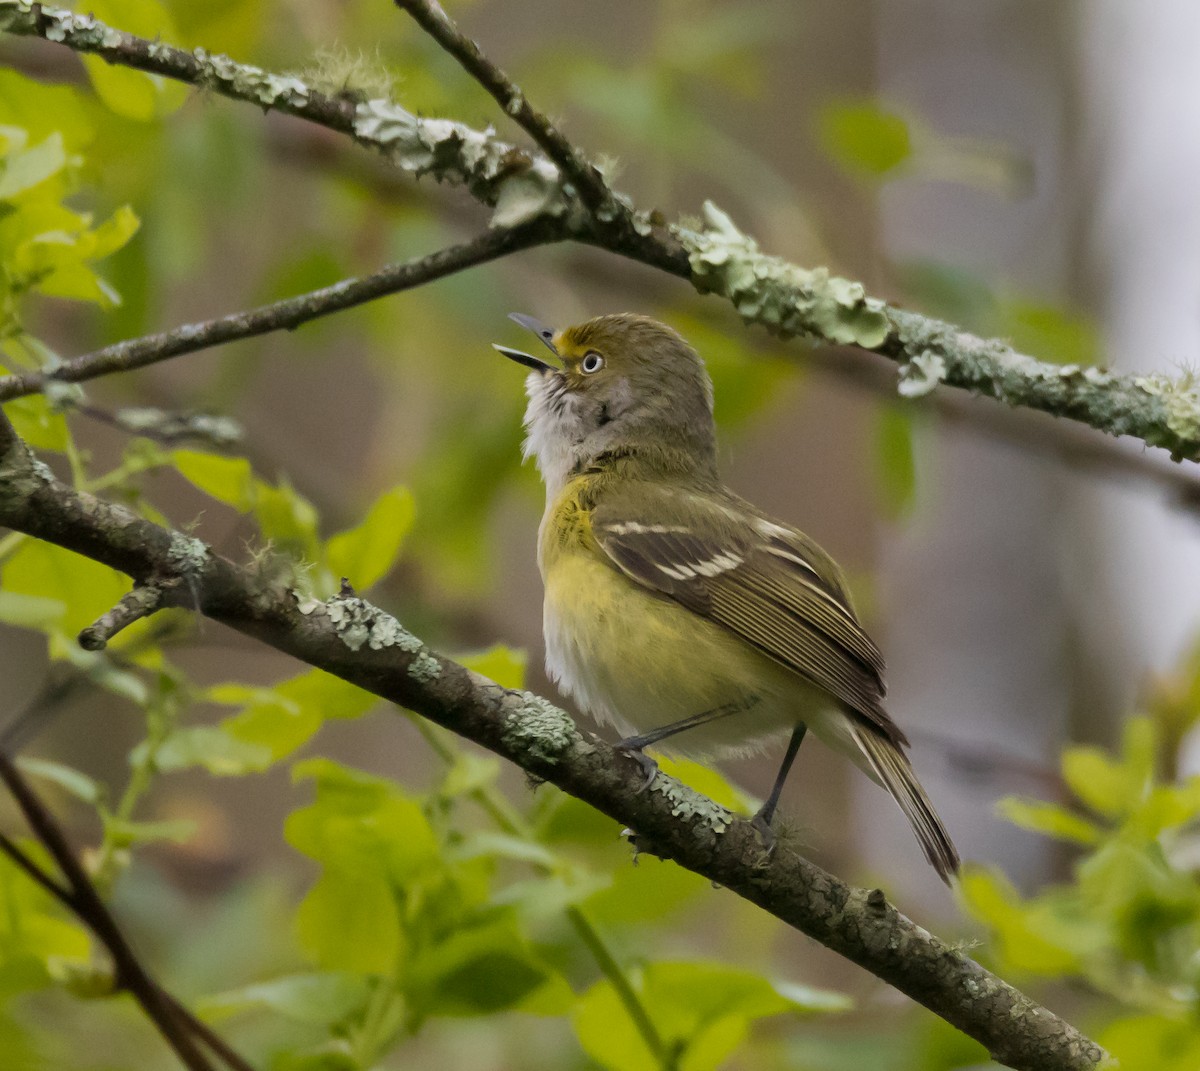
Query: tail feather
(895, 773)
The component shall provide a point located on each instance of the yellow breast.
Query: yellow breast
(638, 660)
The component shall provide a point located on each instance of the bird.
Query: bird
(674, 610)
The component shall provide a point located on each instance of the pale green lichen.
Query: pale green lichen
(520, 186)
(186, 554)
(82, 32)
(786, 299)
(250, 83)
(1180, 402)
(536, 727)
(359, 623)
(921, 374)
(687, 803)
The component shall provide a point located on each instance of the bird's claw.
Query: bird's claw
(762, 826)
(648, 765)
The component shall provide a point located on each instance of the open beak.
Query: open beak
(543, 332)
(527, 359)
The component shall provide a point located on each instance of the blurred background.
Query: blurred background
(1025, 170)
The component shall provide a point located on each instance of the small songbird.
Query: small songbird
(675, 610)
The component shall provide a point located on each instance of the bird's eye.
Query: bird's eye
(592, 362)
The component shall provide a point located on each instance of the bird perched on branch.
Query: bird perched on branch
(675, 610)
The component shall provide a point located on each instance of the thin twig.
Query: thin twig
(279, 315)
(142, 601)
(86, 902)
(584, 176)
(220, 1047)
(22, 859)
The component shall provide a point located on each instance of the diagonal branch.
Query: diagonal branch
(83, 899)
(785, 299)
(351, 639)
(584, 176)
(280, 315)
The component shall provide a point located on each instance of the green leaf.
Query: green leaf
(468, 773)
(1050, 819)
(24, 170)
(212, 748)
(366, 553)
(482, 971)
(124, 833)
(894, 460)
(287, 519)
(227, 479)
(38, 423)
(373, 842)
(348, 922)
(31, 611)
(699, 1009)
(504, 665)
(78, 784)
(285, 717)
(322, 998)
(85, 588)
(864, 137)
(1049, 332)
(131, 93)
(1153, 1043)
(1046, 936)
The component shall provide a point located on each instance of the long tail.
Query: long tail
(893, 770)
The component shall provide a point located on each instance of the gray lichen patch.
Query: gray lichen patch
(186, 554)
(81, 31)
(250, 83)
(687, 803)
(519, 185)
(359, 623)
(786, 299)
(537, 727)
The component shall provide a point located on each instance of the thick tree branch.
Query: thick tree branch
(782, 297)
(353, 640)
(280, 315)
(584, 176)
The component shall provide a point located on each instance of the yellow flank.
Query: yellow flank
(638, 660)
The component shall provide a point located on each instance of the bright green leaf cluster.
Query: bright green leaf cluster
(363, 554)
(1129, 922)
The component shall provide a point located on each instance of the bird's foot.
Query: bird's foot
(762, 826)
(649, 767)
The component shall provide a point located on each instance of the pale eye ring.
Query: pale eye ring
(592, 362)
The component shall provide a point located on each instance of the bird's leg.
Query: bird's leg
(633, 745)
(762, 820)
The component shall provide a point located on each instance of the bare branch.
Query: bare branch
(360, 643)
(584, 176)
(279, 315)
(85, 901)
(141, 602)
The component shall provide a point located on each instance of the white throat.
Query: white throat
(554, 433)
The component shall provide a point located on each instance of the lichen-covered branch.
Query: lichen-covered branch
(582, 175)
(361, 643)
(784, 298)
(279, 315)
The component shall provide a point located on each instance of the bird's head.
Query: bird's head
(622, 384)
